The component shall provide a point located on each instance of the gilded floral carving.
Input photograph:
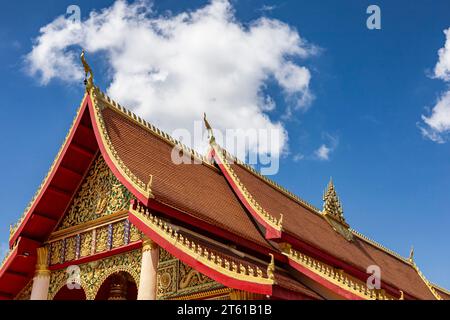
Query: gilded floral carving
(100, 194)
(176, 279)
(93, 274)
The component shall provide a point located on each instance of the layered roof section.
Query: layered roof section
(226, 199)
(306, 228)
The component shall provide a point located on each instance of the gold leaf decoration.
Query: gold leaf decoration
(100, 194)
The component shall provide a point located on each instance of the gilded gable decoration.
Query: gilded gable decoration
(100, 194)
(334, 213)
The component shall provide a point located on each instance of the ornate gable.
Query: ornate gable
(100, 194)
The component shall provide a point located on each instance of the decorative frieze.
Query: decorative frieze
(95, 239)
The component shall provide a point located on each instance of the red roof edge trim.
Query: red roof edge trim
(53, 169)
(271, 232)
(182, 255)
(327, 284)
(108, 158)
(186, 218)
(329, 259)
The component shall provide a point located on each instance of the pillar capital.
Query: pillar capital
(148, 244)
(41, 280)
(42, 262)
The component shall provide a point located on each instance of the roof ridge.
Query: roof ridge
(426, 281)
(152, 128)
(304, 203)
(273, 184)
(379, 246)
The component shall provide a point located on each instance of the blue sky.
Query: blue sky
(370, 89)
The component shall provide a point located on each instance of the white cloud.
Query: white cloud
(442, 68)
(298, 157)
(323, 152)
(170, 69)
(438, 123)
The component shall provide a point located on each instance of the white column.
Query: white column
(41, 280)
(149, 265)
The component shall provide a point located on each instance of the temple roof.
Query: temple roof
(229, 201)
(304, 223)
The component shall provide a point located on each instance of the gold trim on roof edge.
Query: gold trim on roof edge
(337, 277)
(272, 183)
(427, 283)
(309, 206)
(152, 129)
(266, 216)
(13, 228)
(439, 288)
(159, 133)
(138, 184)
(214, 261)
(8, 255)
(379, 246)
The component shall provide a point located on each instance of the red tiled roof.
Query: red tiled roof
(311, 228)
(196, 189)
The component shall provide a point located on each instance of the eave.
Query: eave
(215, 266)
(272, 225)
(56, 190)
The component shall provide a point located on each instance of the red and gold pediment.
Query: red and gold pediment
(99, 195)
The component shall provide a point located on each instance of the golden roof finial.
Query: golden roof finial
(209, 128)
(88, 81)
(411, 255)
(333, 212)
(402, 295)
(332, 205)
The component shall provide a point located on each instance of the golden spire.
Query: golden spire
(333, 212)
(411, 255)
(332, 205)
(209, 128)
(88, 81)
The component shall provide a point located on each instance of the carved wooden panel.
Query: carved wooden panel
(100, 194)
(176, 279)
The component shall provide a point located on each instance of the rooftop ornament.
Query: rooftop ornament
(334, 213)
(212, 140)
(88, 81)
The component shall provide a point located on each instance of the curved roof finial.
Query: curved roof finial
(209, 128)
(411, 255)
(88, 81)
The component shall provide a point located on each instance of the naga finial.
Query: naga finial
(88, 81)
(411, 255)
(209, 128)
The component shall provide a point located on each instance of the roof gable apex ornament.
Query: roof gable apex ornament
(212, 139)
(88, 81)
(333, 212)
(411, 255)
